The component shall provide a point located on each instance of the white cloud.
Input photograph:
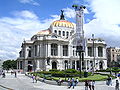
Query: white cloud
(70, 13)
(107, 19)
(26, 14)
(30, 2)
(15, 30)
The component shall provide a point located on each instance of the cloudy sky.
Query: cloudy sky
(21, 19)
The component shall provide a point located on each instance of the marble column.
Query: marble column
(75, 65)
(49, 49)
(59, 50)
(38, 65)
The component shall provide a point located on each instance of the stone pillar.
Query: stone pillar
(86, 51)
(75, 65)
(38, 65)
(96, 51)
(37, 50)
(25, 66)
(69, 51)
(49, 49)
(19, 65)
(59, 50)
(104, 52)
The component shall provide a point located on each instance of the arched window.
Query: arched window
(63, 33)
(67, 34)
(90, 51)
(54, 49)
(100, 51)
(55, 31)
(60, 33)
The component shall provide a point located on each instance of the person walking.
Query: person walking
(109, 81)
(36, 78)
(33, 77)
(119, 75)
(3, 75)
(90, 85)
(117, 85)
(86, 85)
(76, 81)
(59, 81)
(73, 83)
(70, 83)
(15, 74)
(93, 85)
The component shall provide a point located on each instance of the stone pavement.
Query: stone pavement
(23, 82)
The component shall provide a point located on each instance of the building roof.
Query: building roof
(62, 23)
(44, 32)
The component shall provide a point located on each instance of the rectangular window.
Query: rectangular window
(90, 51)
(29, 53)
(63, 33)
(35, 50)
(67, 34)
(100, 51)
(65, 50)
(73, 52)
(54, 49)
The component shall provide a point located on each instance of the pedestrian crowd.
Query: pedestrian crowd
(89, 84)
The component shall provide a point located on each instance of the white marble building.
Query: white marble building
(53, 49)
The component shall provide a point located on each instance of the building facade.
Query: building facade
(54, 49)
(113, 56)
(1, 63)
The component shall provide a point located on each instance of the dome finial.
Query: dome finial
(62, 15)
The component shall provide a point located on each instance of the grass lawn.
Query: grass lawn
(96, 77)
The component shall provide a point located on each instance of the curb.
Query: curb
(6, 87)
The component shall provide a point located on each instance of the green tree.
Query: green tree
(9, 64)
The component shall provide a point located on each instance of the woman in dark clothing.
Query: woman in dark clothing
(86, 85)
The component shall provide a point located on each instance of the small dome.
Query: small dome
(62, 23)
(44, 32)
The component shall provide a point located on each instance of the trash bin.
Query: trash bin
(85, 74)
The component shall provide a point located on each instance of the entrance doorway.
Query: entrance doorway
(29, 68)
(101, 65)
(54, 65)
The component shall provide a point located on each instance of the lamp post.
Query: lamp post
(65, 69)
(93, 63)
(79, 49)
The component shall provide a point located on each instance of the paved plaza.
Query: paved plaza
(23, 82)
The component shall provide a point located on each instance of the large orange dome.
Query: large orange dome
(44, 32)
(62, 23)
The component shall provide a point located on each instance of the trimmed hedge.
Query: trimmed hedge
(58, 73)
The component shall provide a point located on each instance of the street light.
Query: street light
(93, 63)
(79, 49)
(65, 68)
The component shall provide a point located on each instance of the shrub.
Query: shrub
(71, 71)
(54, 70)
